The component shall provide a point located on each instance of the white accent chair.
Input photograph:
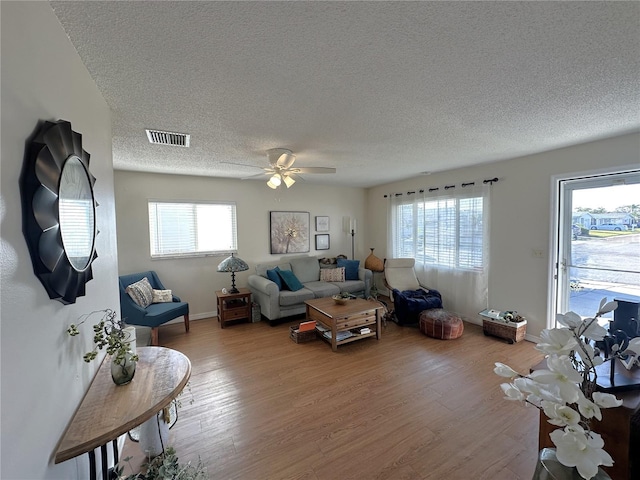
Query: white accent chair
(399, 274)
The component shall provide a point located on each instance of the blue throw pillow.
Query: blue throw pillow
(274, 277)
(350, 268)
(290, 281)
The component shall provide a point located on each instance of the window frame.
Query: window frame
(233, 226)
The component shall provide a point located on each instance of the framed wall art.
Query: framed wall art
(322, 241)
(322, 224)
(289, 232)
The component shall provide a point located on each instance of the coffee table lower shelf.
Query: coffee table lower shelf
(356, 314)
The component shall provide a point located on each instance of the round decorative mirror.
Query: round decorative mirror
(59, 221)
(77, 218)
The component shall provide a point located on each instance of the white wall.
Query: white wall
(195, 280)
(521, 212)
(43, 375)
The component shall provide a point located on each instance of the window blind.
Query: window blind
(445, 231)
(191, 229)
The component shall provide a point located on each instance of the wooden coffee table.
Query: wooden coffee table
(355, 315)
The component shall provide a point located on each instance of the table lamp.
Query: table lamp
(233, 264)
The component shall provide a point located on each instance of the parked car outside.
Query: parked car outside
(610, 226)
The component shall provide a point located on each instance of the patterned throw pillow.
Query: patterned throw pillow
(332, 274)
(162, 296)
(141, 292)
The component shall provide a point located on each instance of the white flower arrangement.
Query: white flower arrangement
(565, 391)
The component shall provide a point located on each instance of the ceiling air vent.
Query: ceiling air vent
(168, 138)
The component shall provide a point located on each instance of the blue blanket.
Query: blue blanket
(409, 303)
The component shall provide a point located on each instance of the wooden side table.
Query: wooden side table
(234, 306)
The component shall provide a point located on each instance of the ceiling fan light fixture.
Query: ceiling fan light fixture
(288, 181)
(275, 181)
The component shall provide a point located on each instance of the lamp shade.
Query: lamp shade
(233, 264)
(275, 181)
(289, 181)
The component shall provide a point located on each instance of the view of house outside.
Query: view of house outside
(605, 247)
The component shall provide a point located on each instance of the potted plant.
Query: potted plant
(165, 467)
(566, 390)
(110, 333)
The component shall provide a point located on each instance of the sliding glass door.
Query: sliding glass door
(598, 240)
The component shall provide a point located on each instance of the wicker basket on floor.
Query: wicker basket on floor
(301, 337)
(512, 332)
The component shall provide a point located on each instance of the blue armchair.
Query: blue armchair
(155, 314)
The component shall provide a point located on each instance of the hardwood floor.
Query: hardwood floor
(403, 407)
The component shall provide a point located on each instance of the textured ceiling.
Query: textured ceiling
(381, 91)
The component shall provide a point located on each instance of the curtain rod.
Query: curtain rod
(490, 181)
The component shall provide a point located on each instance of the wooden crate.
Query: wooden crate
(510, 331)
(301, 337)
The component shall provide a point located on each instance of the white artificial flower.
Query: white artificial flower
(606, 400)
(505, 370)
(593, 330)
(569, 319)
(534, 400)
(562, 374)
(588, 409)
(634, 346)
(559, 414)
(606, 307)
(511, 392)
(588, 354)
(580, 449)
(535, 391)
(538, 391)
(557, 341)
(558, 390)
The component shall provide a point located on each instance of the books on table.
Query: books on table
(339, 336)
(306, 326)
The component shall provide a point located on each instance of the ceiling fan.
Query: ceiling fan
(281, 168)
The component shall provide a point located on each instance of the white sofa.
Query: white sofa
(275, 303)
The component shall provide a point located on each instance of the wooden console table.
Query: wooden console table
(108, 410)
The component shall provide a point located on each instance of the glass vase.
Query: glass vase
(122, 372)
(154, 435)
(549, 468)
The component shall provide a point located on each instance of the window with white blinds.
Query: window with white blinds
(446, 231)
(185, 229)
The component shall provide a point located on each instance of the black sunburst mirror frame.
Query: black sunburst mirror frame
(53, 147)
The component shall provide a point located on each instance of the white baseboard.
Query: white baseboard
(195, 316)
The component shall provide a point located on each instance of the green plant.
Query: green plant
(165, 467)
(345, 295)
(108, 333)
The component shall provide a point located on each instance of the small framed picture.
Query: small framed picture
(322, 242)
(322, 224)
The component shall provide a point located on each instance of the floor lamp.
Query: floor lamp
(349, 224)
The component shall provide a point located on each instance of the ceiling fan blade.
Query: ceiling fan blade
(242, 165)
(313, 170)
(286, 160)
(257, 175)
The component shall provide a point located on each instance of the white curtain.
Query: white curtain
(446, 230)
